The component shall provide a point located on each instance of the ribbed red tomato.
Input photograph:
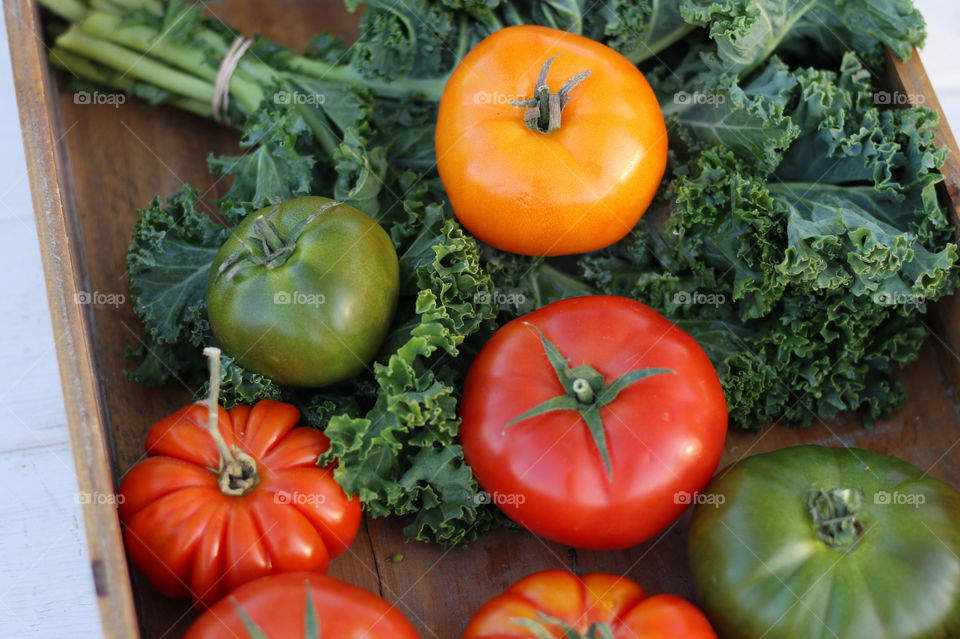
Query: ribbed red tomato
(199, 526)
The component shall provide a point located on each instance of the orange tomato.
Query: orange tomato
(577, 188)
(557, 603)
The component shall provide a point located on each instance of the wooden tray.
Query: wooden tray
(91, 166)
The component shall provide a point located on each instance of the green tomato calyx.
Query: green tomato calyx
(585, 393)
(540, 628)
(542, 112)
(311, 621)
(835, 515)
(275, 249)
(237, 474)
(266, 245)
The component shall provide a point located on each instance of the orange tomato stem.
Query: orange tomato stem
(237, 469)
(542, 113)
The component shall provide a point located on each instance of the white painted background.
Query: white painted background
(46, 588)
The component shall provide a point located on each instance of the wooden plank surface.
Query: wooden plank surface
(155, 152)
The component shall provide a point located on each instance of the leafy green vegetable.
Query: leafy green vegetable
(798, 261)
(401, 456)
(273, 169)
(705, 110)
(640, 30)
(168, 265)
(747, 33)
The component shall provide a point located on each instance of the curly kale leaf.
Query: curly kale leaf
(274, 167)
(815, 357)
(847, 237)
(240, 386)
(747, 33)
(360, 173)
(799, 263)
(401, 457)
(411, 39)
(168, 263)
(704, 109)
(642, 29)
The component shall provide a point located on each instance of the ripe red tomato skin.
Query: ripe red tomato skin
(171, 503)
(277, 604)
(581, 601)
(665, 433)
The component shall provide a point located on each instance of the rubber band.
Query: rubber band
(221, 87)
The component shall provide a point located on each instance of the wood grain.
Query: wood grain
(115, 159)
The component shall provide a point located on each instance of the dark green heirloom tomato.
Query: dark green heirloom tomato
(828, 543)
(304, 292)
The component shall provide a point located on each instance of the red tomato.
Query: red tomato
(192, 536)
(278, 607)
(597, 602)
(664, 433)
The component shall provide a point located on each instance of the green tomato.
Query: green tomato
(304, 292)
(823, 543)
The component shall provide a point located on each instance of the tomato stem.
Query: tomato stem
(311, 620)
(269, 234)
(585, 391)
(212, 354)
(249, 624)
(276, 250)
(835, 515)
(540, 627)
(275, 247)
(237, 470)
(542, 112)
